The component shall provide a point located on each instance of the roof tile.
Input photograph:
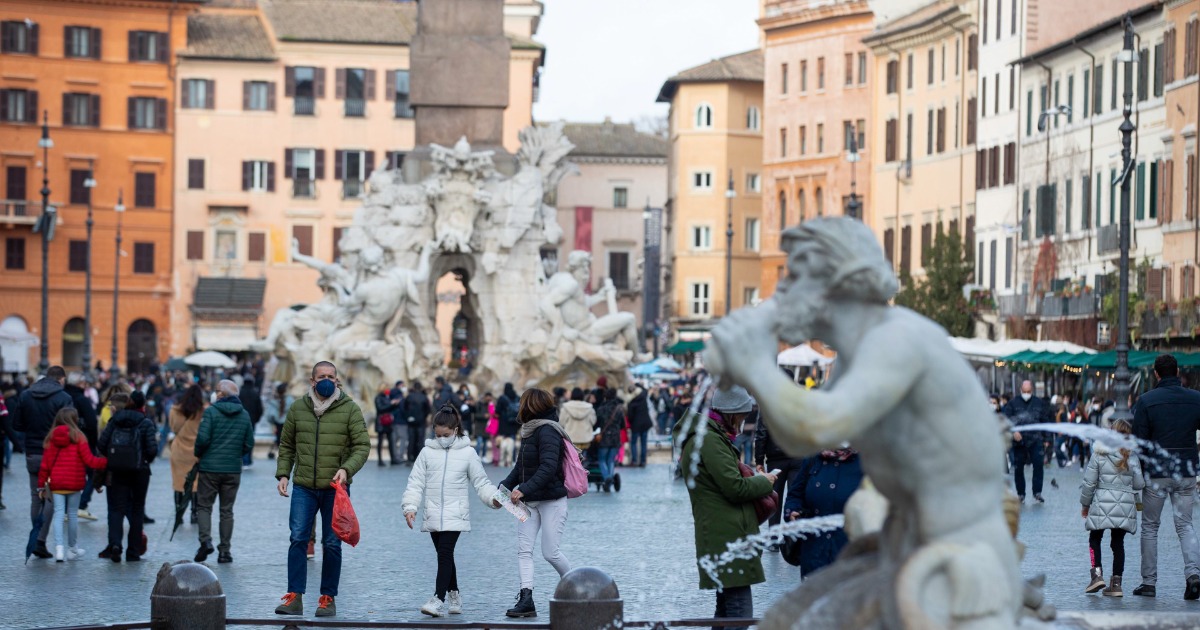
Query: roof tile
(223, 36)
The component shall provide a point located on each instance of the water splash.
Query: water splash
(752, 546)
(1148, 450)
(697, 418)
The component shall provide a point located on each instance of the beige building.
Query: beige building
(285, 109)
(714, 186)
(818, 79)
(602, 208)
(924, 108)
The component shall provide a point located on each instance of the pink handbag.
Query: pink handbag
(575, 476)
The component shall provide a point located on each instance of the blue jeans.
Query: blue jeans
(305, 505)
(66, 504)
(608, 458)
(637, 447)
(1028, 451)
(481, 444)
(745, 445)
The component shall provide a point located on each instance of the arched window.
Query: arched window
(820, 203)
(704, 116)
(753, 118)
(801, 204)
(782, 210)
(72, 342)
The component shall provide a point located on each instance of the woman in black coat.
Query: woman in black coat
(416, 411)
(820, 487)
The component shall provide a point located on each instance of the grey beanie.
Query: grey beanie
(733, 400)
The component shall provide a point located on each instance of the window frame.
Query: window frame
(70, 41)
(143, 258)
(620, 196)
(700, 237)
(699, 306)
(148, 47)
(702, 116)
(752, 235)
(698, 185)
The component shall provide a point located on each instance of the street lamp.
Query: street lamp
(46, 227)
(1121, 378)
(853, 206)
(89, 184)
(729, 195)
(120, 210)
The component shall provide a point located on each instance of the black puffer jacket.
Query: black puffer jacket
(538, 473)
(35, 411)
(145, 428)
(1169, 415)
(639, 413)
(88, 423)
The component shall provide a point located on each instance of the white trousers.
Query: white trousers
(551, 518)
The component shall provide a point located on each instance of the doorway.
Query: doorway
(72, 343)
(141, 347)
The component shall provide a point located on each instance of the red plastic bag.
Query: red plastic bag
(345, 523)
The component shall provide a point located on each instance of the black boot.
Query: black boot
(524, 607)
(41, 551)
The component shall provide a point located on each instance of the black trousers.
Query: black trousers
(447, 575)
(126, 501)
(734, 603)
(416, 440)
(385, 433)
(1117, 544)
(787, 467)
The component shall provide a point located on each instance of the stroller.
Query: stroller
(591, 461)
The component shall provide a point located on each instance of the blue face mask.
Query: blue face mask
(325, 388)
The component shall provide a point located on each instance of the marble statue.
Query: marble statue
(907, 401)
(531, 324)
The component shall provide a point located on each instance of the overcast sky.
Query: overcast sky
(610, 57)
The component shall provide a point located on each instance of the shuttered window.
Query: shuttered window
(80, 193)
(147, 113)
(198, 94)
(77, 256)
(144, 190)
(19, 106)
(195, 174)
(304, 235)
(148, 46)
(891, 136)
(143, 258)
(195, 245)
(256, 247)
(14, 253)
(19, 36)
(81, 110)
(81, 42)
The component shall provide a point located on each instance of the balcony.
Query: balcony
(305, 106)
(1109, 241)
(304, 188)
(403, 109)
(356, 108)
(353, 188)
(1013, 305)
(1165, 321)
(20, 212)
(1087, 305)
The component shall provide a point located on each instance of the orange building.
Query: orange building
(102, 71)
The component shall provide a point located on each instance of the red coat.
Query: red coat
(69, 460)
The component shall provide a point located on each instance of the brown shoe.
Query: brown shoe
(293, 604)
(1097, 581)
(1114, 587)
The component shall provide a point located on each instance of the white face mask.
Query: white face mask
(1026, 397)
(445, 442)
(213, 398)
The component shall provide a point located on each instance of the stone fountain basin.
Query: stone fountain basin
(1118, 621)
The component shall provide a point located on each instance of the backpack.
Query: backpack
(575, 476)
(124, 449)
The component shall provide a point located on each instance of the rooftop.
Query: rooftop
(746, 66)
(385, 22)
(224, 36)
(1107, 26)
(609, 139)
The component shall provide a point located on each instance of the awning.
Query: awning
(802, 355)
(227, 338)
(686, 347)
(240, 296)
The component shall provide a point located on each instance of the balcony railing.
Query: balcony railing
(356, 108)
(1109, 240)
(305, 106)
(404, 109)
(20, 212)
(304, 188)
(1173, 321)
(353, 188)
(1074, 306)
(1013, 305)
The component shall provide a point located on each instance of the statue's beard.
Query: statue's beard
(801, 318)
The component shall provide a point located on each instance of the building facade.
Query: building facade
(328, 103)
(817, 82)
(603, 209)
(924, 103)
(714, 186)
(105, 74)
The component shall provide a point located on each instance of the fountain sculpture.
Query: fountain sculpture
(530, 326)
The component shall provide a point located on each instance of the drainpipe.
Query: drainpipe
(1049, 95)
(961, 148)
(1091, 142)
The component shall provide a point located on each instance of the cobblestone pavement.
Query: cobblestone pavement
(642, 536)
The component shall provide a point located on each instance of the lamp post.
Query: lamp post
(853, 206)
(729, 195)
(1121, 383)
(89, 184)
(46, 227)
(120, 210)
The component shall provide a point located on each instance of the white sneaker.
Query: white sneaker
(433, 607)
(75, 553)
(58, 553)
(86, 515)
(454, 603)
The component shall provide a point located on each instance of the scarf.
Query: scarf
(715, 416)
(321, 406)
(841, 454)
(549, 418)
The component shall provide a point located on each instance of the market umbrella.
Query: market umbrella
(176, 365)
(209, 358)
(667, 363)
(646, 369)
(183, 499)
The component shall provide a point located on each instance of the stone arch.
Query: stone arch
(74, 336)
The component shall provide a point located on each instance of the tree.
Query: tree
(939, 295)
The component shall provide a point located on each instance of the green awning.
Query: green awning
(686, 347)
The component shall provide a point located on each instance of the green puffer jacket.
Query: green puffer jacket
(225, 435)
(722, 501)
(319, 447)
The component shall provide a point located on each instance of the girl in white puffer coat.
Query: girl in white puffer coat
(1110, 502)
(445, 471)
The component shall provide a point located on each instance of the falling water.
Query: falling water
(698, 417)
(1147, 450)
(751, 546)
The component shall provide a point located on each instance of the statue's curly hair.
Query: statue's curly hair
(853, 262)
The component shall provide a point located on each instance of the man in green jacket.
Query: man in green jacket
(224, 436)
(325, 439)
(723, 500)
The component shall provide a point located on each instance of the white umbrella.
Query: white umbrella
(210, 358)
(667, 363)
(802, 355)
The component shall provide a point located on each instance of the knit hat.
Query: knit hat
(733, 400)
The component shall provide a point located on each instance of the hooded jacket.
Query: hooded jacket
(226, 433)
(65, 463)
(1109, 493)
(317, 447)
(146, 432)
(722, 499)
(35, 410)
(578, 419)
(444, 477)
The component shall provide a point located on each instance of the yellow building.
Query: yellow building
(924, 112)
(714, 186)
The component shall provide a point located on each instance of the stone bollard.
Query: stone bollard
(586, 599)
(187, 596)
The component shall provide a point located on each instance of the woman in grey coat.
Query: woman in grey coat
(1111, 502)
